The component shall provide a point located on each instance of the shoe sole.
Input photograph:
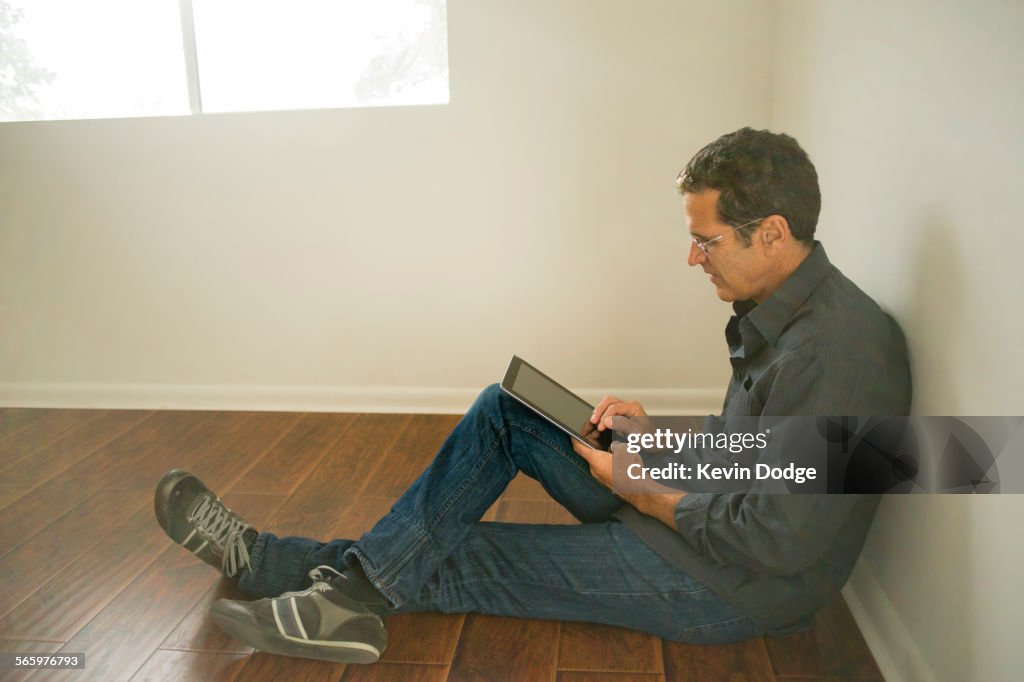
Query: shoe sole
(271, 642)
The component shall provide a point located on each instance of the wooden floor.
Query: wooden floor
(84, 567)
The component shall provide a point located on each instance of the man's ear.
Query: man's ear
(774, 232)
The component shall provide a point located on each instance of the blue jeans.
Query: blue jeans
(431, 552)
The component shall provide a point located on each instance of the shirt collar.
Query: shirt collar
(771, 317)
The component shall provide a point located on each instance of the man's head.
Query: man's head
(752, 200)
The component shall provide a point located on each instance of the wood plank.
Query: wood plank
(260, 667)
(427, 637)
(9, 494)
(28, 646)
(121, 637)
(406, 672)
(591, 676)
(359, 516)
(33, 513)
(292, 458)
(59, 544)
(188, 666)
(71, 448)
(144, 453)
(196, 632)
(14, 419)
(36, 437)
(747, 660)
(25, 647)
(218, 448)
(523, 487)
(238, 444)
(162, 437)
(596, 647)
(534, 511)
(410, 455)
(492, 513)
(502, 648)
(321, 502)
(834, 647)
(69, 595)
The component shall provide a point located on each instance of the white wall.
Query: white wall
(390, 258)
(912, 114)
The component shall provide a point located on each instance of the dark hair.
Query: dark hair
(759, 173)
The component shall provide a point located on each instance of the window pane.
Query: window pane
(298, 54)
(90, 59)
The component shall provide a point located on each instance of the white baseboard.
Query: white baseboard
(400, 399)
(891, 644)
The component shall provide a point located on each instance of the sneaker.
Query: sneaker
(197, 520)
(319, 622)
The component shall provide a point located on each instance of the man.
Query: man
(699, 567)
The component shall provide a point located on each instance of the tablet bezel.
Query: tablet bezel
(508, 381)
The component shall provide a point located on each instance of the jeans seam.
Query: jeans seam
(371, 574)
(474, 474)
(552, 446)
(386, 578)
(470, 479)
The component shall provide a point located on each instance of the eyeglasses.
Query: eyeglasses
(705, 244)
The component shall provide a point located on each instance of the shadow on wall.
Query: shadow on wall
(921, 545)
(937, 336)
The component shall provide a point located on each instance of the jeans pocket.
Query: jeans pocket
(722, 632)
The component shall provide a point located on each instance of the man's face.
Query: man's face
(737, 271)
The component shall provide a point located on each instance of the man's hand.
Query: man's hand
(660, 505)
(610, 407)
(599, 461)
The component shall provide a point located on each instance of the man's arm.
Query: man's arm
(661, 506)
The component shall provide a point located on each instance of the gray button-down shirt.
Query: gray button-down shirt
(817, 346)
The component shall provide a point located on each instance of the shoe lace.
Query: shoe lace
(321, 581)
(225, 530)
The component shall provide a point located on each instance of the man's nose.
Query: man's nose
(696, 256)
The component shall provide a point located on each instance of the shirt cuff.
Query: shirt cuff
(691, 517)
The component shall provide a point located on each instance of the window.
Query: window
(113, 58)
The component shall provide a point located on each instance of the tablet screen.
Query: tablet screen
(558, 404)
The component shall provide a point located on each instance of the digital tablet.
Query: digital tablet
(554, 402)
